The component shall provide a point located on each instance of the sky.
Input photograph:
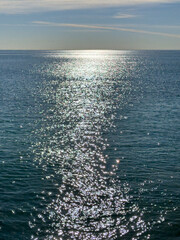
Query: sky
(89, 24)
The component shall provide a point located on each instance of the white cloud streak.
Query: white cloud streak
(121, 15)
(28, 6)
(96, 27)
(172, 27)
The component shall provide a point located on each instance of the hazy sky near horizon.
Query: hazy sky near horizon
(85, 24)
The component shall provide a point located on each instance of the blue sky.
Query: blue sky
(82, 24)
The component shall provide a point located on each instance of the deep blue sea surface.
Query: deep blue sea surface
(89, 145)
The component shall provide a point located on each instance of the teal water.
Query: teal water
(89, 145)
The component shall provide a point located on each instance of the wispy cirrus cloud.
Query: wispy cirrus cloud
(96, 27)
(28, 6)
(36, 23)
(122, 15)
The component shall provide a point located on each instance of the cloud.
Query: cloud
(121, 15)
(28, 6)
(86, 26)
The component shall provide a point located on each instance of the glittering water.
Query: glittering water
(89, 145)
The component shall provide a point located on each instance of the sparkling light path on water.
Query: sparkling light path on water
(91, 202)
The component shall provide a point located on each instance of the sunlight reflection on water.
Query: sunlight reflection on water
(80, 104)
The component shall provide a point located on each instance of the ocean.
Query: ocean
(89, 145)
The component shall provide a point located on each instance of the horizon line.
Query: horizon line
(90, 49)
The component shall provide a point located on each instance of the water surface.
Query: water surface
(89, 145)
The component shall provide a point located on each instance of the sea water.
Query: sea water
(89, 145)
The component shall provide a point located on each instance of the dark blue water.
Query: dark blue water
(89, 145)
